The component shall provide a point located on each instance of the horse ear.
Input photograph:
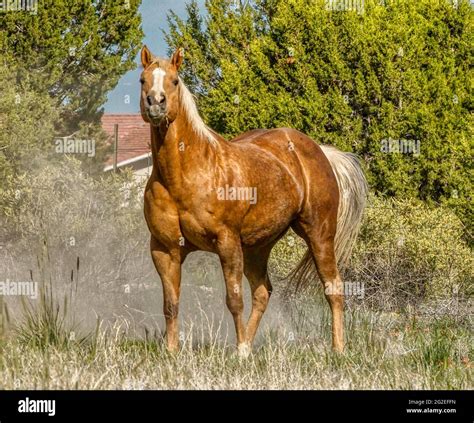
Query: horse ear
(146, 56)
(177, 58)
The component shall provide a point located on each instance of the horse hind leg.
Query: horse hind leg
(320, 241)
(324, 256)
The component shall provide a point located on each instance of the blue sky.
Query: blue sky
(124, 98)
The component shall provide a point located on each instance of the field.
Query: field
(383, 352)
(97, 322)
(56, 346)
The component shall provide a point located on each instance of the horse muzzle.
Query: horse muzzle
(156, 113)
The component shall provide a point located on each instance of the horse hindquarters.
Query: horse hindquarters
(329, 224)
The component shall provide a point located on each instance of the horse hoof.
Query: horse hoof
(244, 350)
(173, 348)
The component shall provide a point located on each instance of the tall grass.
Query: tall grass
(49, 321)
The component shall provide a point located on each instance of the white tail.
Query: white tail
(352, 199)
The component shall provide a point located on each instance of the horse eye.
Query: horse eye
(142, 81)
(176, 82)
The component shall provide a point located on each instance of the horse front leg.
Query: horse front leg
(168, 266)
(230, 254)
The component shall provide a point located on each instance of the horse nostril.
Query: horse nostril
(149, 99)
(162, 99)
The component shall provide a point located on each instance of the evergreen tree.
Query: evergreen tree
(75, 51)
(396, 73)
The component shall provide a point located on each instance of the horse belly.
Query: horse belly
(262, 226)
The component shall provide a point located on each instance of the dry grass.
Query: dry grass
(384, 351)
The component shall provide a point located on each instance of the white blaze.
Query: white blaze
(158, 83)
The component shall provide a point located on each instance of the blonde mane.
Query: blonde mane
(188, 104)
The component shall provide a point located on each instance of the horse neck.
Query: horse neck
(178, 151)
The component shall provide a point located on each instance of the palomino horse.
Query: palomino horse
(238, 198)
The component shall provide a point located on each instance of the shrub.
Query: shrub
(414, 251)
(406, 252)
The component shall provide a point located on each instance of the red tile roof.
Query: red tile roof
(134, 135)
